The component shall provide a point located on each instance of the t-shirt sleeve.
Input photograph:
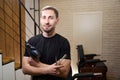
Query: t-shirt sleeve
(31, 42)
(66, 49)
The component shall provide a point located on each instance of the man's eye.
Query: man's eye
(51, 17)
(43, 17)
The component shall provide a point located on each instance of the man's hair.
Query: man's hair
(51, 8)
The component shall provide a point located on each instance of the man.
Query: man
(52, 47)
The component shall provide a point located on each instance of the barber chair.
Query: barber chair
(89, 64)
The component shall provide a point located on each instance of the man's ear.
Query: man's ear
(57, 20)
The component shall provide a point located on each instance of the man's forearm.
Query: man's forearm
(32, 70)
(31, 67)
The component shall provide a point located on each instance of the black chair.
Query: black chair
(90, 64)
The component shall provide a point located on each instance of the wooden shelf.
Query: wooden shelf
(7, 60)
(0, 51)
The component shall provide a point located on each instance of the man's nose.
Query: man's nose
(46, 21)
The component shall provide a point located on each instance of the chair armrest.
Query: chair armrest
(89, 63)
(90, 56)
(94, 61)
(84, 75)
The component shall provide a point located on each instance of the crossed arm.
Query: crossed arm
(32, 67)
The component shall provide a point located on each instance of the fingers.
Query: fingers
(58, 66)
(54, 69)
(55, 72)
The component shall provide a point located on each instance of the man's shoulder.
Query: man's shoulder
(61, 36)
(35, 38)
(62, 39)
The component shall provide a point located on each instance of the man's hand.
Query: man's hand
(54, 69)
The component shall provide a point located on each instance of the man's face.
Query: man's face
(48, 20)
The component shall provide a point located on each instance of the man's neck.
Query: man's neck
(48, 35)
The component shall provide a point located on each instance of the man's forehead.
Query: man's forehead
(47, 13)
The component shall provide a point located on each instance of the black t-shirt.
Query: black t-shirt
(49, 49)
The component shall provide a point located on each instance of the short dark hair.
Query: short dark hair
(51, 8)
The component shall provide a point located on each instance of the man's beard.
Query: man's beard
(50, 30)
